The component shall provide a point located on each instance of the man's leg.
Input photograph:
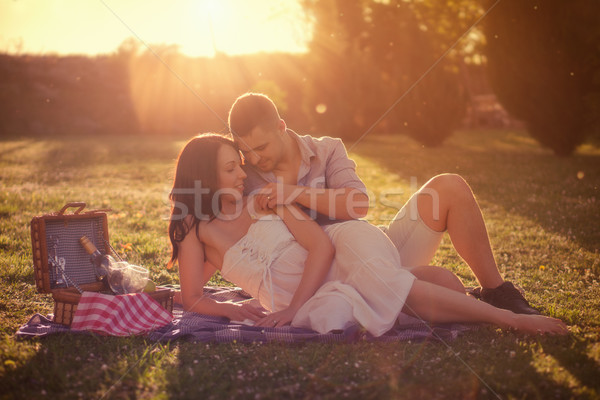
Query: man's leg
(447, 202)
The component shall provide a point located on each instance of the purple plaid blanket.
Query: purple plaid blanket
(206, 328)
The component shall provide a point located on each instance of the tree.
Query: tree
(367, 54)
(544, 64)
(406, 44)
(343, 86)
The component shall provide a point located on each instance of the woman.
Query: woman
(287, 262)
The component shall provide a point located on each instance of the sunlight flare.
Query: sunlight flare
(197, 28)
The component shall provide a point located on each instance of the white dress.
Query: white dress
(366, 284)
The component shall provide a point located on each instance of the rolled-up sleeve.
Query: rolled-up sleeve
(341, 170)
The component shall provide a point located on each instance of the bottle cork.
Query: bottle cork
(88, 245)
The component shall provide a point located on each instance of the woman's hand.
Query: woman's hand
(276, 319)
(244, 311)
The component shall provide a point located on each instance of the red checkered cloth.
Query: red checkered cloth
(121, 315)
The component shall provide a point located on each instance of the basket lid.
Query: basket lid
(59, 259)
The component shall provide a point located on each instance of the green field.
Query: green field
(543, 218)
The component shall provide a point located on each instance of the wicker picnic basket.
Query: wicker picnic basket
(62, 266)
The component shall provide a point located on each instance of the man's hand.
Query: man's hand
(274, 194)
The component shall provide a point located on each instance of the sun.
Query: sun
(206, 20)
(214, 9)
(242, 27)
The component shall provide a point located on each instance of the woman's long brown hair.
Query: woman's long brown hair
(194, 186)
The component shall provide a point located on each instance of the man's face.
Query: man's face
(262, 148)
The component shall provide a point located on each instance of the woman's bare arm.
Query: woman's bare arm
(318, 261)
(194, 273)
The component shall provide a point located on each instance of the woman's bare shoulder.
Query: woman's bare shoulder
(194, 227)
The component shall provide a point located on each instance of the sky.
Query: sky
(198, 27)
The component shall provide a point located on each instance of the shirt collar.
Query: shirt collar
(306, 155)
(306, 152)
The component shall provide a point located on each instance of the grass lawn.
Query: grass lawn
(543, 219)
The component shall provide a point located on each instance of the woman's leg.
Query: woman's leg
(438, 276)
(439, 304)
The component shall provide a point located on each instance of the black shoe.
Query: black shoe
(507, 296)
(474, 291)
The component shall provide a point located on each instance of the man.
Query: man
(317, 174)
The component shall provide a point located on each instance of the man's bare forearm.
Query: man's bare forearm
(342, 203)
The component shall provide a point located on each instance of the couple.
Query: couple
(320, 277)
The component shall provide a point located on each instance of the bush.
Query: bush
(542, 58)
(433, 109)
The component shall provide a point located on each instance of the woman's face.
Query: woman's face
(229, 171)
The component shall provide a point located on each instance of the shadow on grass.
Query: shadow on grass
(81, 366)
(364, 370)
(574, 359)
(68, 154)
(509, 365)
(560, 194)
(482, 364)
(15, 148)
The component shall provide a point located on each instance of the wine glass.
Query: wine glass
(124, 278)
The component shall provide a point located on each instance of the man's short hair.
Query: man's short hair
(252, 110)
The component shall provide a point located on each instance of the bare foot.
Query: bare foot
(539, 324)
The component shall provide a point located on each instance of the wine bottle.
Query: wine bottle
(121, 277)
(101, 262)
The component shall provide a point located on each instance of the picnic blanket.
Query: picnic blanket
(206, 328)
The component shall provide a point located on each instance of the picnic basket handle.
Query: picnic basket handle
(79, 204)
